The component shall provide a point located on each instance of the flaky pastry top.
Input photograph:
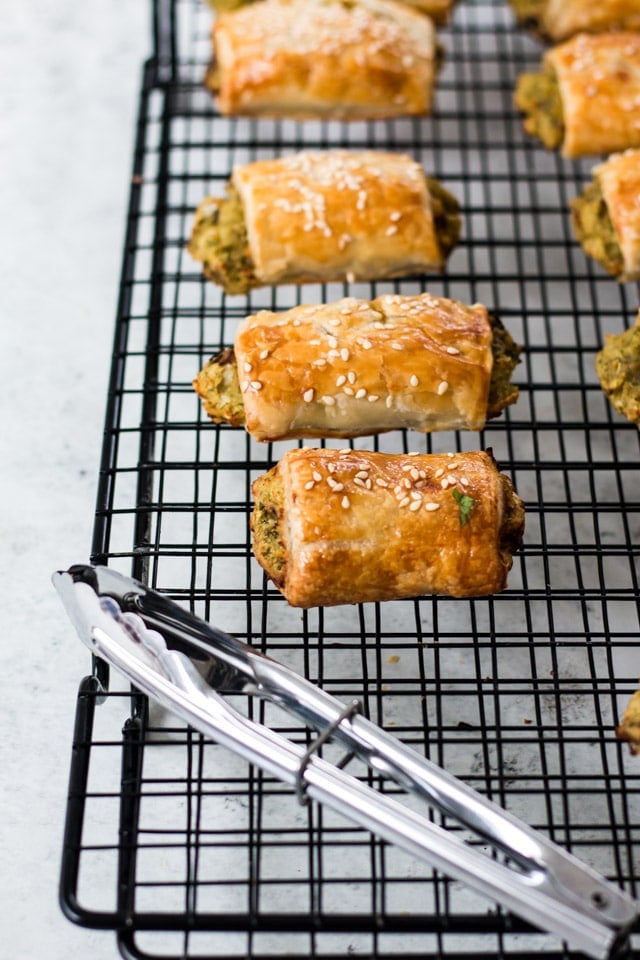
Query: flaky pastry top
(357, 214)
(357, 367)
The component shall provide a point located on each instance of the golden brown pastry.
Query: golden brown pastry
(618, 369)
(629, 727)
(586, 98)
(560, 19)
(360, 367)
(346, 526)
(346, 59)
(438, 10)
(324, 215)
(606, 216)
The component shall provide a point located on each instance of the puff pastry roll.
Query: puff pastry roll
(346, 59)
(618, 369)
(586, 98)
(560, 19)
(438, 10)
(606, 216)
(332, 527)
(325, 215)
(360, 367)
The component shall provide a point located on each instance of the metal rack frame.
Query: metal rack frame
(169, 841)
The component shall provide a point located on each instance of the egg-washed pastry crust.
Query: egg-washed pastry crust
(345, 526)
(628, 729)
(328, 215)
(360, 367)
(344, 59)
(618, 368)
(438, 10)
(596, 108)
(558, 20)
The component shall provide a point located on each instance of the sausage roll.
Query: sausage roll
(322, 215)
(346, 59)
(606, 216)
(438, 10)
(586, 98)
(618, 369)
(560, 19)
(362, 367)
(346, 526)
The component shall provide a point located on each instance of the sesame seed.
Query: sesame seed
(373, 397)
(405, 502)
(453, 351)
(381, 483)
(333, 354)
(406, 483)
(329, 401)
(443, 386)
(351, 278)
(389, 402)
(344, 353)
(439, 472)
(464, 481)
(362, 474)
(309, 484)
(345, 503)
(413, 380)
(414, 474)
(389, 232)
(256, 385)
(316, 476)
(415, 495)
(366, 344)
(396, 346)
(341, 380)
(431, 506)
(351, 376)
(247, 367)
(395, 216)
(321, 362)
(415, 505)
(344, 451)
(335, 484)
(358, 481)
(335, 321)
(307, 396)
(452, 466)
(333, 343)
(361, 393)
(331, 467)
(264, 354)
(349, 392)
(244, 386)
(444, 483)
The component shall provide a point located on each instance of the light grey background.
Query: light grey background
(71, 76)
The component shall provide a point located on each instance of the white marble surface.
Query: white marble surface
(69, 99)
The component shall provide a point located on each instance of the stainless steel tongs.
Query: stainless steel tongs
(184, 663)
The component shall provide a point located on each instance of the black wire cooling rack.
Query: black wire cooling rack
(178, 846)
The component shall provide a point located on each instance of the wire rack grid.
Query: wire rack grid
(178, 846)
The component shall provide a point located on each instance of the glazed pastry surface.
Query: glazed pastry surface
(564, 18)
(360, 367)
(311, 58)
(334, 527)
